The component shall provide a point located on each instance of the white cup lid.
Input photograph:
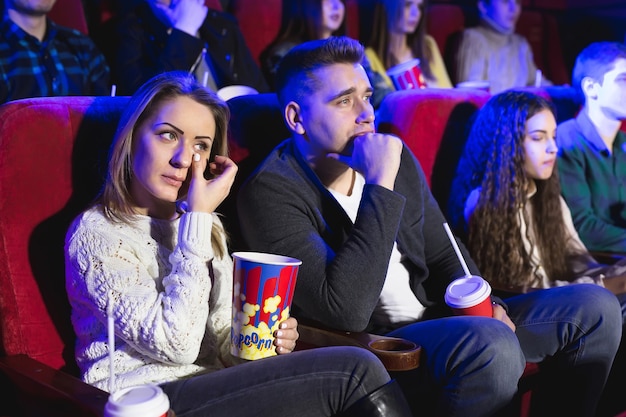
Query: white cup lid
(140, 401)
(405, 66)
(481, 85)
(266, 258)
(467, 291)
(231, 91)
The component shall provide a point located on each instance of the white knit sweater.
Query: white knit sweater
(172, 297)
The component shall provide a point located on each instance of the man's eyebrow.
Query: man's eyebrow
(349, 91)
(342, 93)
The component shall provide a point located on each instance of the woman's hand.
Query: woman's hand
(206, 195)
(286, 335)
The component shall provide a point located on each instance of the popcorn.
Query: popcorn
(263, 287)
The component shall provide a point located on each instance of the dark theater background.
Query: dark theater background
(556, 29)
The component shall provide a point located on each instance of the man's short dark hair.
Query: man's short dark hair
(294, 76)
(596, 60)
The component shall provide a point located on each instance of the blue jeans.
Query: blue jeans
(471, 365)
(613, 400)
(316, 382)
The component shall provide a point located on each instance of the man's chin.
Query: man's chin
(34, 12)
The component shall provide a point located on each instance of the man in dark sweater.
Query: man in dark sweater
(353, 205)
(165, 35)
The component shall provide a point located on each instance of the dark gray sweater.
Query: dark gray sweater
(285, 209)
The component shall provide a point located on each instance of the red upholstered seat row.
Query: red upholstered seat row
(53, 155)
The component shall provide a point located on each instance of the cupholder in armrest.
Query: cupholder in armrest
(396, 354)
(393, 345)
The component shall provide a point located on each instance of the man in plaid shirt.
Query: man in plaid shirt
(39, 58)
(592, 154)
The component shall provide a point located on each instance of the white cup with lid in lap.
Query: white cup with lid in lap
(140, 401)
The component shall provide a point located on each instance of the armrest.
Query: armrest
(41, 390)
(395, 353)
(512, 290)
(608, 258)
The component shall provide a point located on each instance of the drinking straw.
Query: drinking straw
(205, 78)
(538, 76)
(456, 249)
(111, 335)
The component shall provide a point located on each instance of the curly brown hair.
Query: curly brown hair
(493, 162)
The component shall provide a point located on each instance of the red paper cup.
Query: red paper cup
(144, 400)
(407, 75)
(470, 296)
(263, 286)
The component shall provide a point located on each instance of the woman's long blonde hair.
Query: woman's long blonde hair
(116, 198)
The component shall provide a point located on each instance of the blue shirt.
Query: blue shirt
(593, 180)
(65, 63)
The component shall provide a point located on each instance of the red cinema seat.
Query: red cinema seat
(444, 21)
(69, 13)
(259, 22)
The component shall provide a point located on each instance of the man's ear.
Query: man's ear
(293, 116)
(589, 87)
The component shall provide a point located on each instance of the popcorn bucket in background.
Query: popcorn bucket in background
(407, 75)
(263, 286)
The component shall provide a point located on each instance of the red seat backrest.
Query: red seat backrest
(530, 25)
(443, 21)
(49, 153)
(541, 32)
(259, 22)
(433, 123)
(352, 19)
(424, 118)
(213, 4)
(69, 13)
